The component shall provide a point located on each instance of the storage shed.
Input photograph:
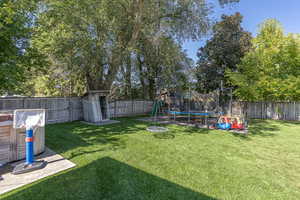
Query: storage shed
(95, 106)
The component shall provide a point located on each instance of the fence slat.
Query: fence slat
(269, 110)
(65, 109)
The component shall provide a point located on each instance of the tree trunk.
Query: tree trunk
(151, 88)
(99, 81)
(142, 76)
(128, 77)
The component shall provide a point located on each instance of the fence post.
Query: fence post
(261, 110)
(132, 107)
(115, 108)
(70, 110)
(295, 112)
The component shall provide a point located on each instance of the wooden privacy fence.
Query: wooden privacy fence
(268, 110)
(129, 108)
(58, 110)
(66, 109)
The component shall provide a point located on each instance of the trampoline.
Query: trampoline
(193, 115)
(190, 113)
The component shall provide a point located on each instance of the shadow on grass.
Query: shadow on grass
(186, 130)
(288, 123)
(265, 128)
(68, 136)
(195, 130)
(166, 135)
(105, 178)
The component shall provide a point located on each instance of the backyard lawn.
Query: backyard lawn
(123, 161)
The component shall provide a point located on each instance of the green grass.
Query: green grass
(123, 161)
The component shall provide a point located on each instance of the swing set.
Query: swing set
(202, 110)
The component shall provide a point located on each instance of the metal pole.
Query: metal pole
(220, 95)
(218, 103)
(29, 146)
(115, 109)
(206, 119)
(230, 101)
(189, 120)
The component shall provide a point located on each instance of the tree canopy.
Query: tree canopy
(224, 50)
(69, 47)
(15, 51)
(93, 37)
(271, 70)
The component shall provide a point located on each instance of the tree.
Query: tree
(95, 37)
(16, 18)
(165, 70)
(229, 43)
(56, 81)
(270, 71)
(223, 2)
(144, 71)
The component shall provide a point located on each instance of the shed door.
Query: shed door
(103, 107)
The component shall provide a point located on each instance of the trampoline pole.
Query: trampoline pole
(189, 120)
(230, 101)
(206, 120)
(169, 112)
(156, 113)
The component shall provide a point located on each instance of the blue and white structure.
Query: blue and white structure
(29, 119)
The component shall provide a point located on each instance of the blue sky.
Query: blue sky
(255, 12)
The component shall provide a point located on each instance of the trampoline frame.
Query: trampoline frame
(190, 113)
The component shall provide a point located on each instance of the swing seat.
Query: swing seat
(224, 126)
(224, 123)
(237, 123)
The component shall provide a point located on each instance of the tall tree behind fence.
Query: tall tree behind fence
(268, 110)
(66, 109)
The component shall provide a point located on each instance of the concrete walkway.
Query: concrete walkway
(56, 163)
